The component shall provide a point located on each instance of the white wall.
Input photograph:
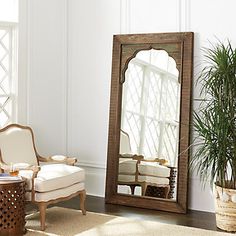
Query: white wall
(91, 25)
(68, 69)
(44, 64)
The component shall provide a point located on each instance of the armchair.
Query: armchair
(45, 184)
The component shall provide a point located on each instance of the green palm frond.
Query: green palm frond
(215, 121)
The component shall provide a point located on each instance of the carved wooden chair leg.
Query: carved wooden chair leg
(144, 188)
(82, 197)
(167, 190)
(132, 188)
(42, 211)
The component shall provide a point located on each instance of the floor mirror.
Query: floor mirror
(149, 123)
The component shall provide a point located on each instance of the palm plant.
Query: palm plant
(215, 120)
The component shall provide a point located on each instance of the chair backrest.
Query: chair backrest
(17, 145)
(125, 147)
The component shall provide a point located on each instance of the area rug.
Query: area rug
(69, 222)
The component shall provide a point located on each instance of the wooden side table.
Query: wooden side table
(173, 177)
(164, 191)
(12, 207)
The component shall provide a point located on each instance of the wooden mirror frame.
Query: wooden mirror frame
(125, 47)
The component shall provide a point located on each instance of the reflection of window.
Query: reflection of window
(150, 109)
(7, 72)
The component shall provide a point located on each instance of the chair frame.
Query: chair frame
(43, 205)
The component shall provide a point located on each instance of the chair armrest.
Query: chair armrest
(6, 167)
(162, 162)
(71, 161)
(133, 156)
(3, 166)
(147, 160)
(35, 170)
(138, 157)
(126, 155)
(52, 159)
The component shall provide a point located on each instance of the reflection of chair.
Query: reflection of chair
(47, 184)
(128, 174)
(134, 170)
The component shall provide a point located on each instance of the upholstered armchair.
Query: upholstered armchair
(47, 183)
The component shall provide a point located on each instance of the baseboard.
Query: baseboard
(96, 178)
(200, 198)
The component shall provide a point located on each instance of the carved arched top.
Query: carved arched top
(126, 66)
(129, 52)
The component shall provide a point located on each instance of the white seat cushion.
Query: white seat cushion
(153, 180)
(127, 166)
(59, 193)
(126, 178)
(153, 169)
(54, 176)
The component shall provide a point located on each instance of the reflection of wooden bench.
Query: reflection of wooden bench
(134, 171)
(163, 191)
(151, 173)
(153, 178)
(157, 191)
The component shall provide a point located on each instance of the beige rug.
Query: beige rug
(68, 222)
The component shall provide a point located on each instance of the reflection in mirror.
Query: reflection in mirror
(149, 134)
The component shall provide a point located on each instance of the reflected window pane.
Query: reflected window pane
(150, 105)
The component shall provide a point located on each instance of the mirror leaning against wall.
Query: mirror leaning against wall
(149, 121)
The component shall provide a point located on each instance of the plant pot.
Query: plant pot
(225, 203)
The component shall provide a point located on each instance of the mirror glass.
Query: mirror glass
(149, 134)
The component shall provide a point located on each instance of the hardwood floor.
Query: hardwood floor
(196, 219)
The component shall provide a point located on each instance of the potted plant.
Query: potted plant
(215, 126)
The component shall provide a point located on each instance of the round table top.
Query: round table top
(5, 182)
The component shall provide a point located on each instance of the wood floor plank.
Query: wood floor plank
(197, 219)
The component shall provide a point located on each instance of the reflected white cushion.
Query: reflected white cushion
(59, 193)
(153, 180)
(127, 166)
(126, 178)
(153, 169)
(54, 176)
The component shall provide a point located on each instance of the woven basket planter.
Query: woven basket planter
(225, 203)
